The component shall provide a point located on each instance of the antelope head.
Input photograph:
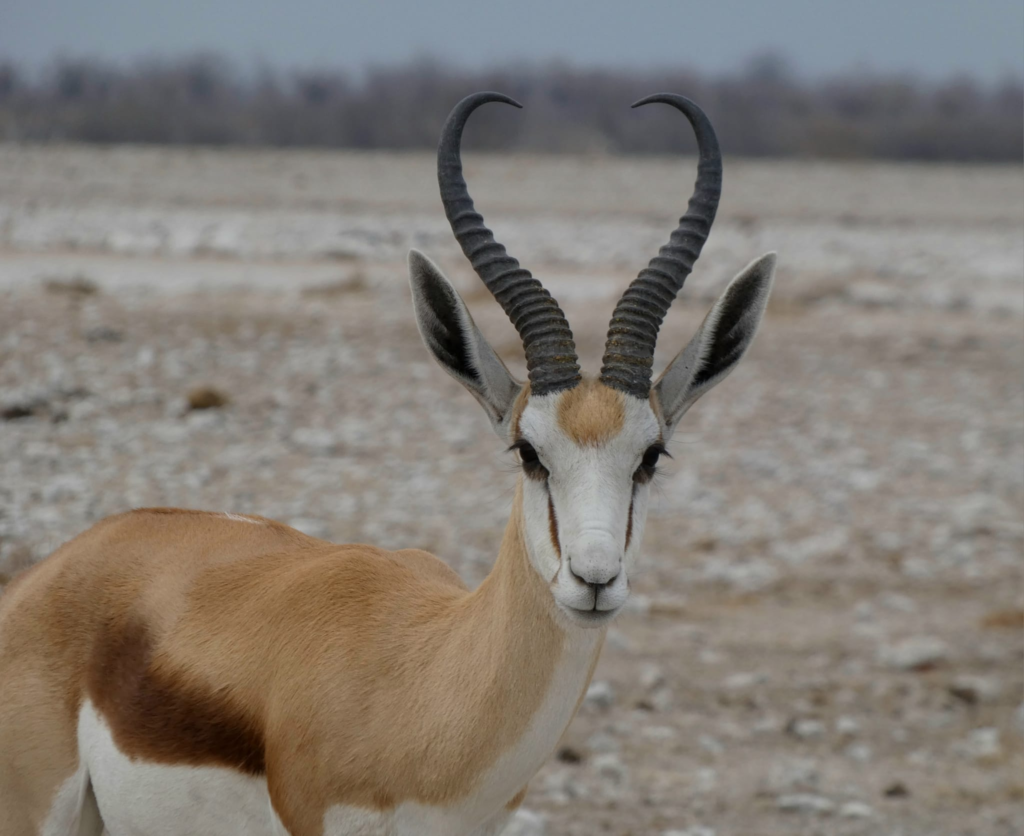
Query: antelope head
(589, 447)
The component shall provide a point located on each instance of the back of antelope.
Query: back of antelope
(173, 672)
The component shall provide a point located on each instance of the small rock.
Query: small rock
(806, 803)
(660, 700)
(976, 689)
(897, 603)
(743, 680)
(602, 742)
(600, 695)
(690, 831)
(710, 744)
(855, 810)
(317, 441)
(610, 767)
(805, 729)
(570, 755)
(982, 745)
(525, 823)
(919, 653)
(560, 787)
(1018, 719)
(659, 733)
(860, 752)
(104, 334)
(652, 677)
(206, 397)
(74, 286)
(897, 789)
(847, 726)
(795, 774)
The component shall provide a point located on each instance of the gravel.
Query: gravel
(824, 635)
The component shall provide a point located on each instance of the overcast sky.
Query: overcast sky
(932, 38)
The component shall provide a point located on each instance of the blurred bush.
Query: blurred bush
(764, 110)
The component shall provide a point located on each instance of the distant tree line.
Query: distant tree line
(763, 110)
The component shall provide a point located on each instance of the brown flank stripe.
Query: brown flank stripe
(154, 714)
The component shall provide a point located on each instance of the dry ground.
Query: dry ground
(827, 635)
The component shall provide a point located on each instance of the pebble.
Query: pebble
(525, 823)
(793, 774)
(806, 803)
(690, 831)
(610, 767)
(914, 654)
(974, 689)
(600, 695)
(847, 726)
(710, 744)
(743, 680)
(561, 787)
(860, 752)
(856, 810)
(806, 729)
(652, 677)
(981, 745)
(313, 440)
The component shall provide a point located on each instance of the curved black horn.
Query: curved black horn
(547, 340)
(633, 331)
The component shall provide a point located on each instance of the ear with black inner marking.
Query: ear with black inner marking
(451, 335)
(720, 342)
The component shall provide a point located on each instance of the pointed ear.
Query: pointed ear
(723, 337)
(457, 344)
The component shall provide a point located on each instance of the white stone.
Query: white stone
(710, 744)
(600, 695)
(743, 680)
(313, 440)
(806, 729)
(526, 823)
(806, 803)
(610, 767)
(860, 752)
(913, 653)
(855, 810)
(982, 744)
(651, 677)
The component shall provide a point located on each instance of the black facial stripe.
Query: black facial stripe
(553, 525)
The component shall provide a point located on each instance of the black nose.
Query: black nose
(597, 582)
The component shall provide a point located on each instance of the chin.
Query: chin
(588, 618)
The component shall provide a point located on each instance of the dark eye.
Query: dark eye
(649, 464)
(530, 460)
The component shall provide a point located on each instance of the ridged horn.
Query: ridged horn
(550, 351)
(633, 331)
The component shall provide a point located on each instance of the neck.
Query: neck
(521, 670)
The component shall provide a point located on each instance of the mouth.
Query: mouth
(589, 618)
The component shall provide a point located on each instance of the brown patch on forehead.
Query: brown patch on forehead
(591, 413)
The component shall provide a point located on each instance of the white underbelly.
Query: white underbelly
(141, 798)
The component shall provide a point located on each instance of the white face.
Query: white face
(587, 465)
(589, 452)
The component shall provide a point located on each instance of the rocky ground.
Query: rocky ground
(827, 632)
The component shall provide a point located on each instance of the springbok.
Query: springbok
(174, 672)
